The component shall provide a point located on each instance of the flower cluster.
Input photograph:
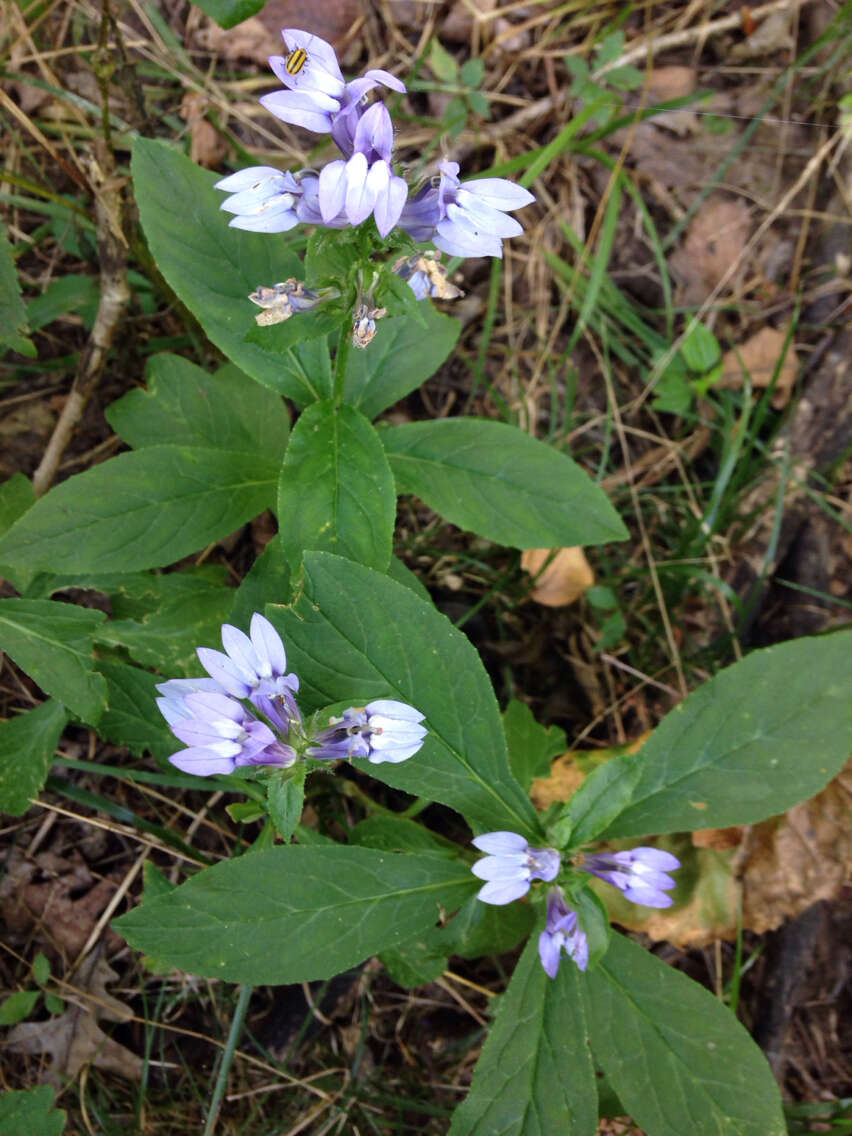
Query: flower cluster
(511, 865)
(464, 219)
(245, 713)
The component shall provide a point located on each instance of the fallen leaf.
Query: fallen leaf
(563, 580)
(568, 771)
(668, 83)
(251, 39)
(771, 35)
(331, 19)
(75, 1039)
(207, 147)
(759, 356)
(714, 241)
(720, 839)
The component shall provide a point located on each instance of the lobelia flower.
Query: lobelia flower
(465, 218)
(384, 730)
(254, 667)
(262, 199)
(364, 324)
(640, 873)
(511, 865)
(562, 932)
(318, 98)
(219, 731)
(284, 300)
(365, 182)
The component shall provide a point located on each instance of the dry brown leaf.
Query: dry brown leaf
(55, 898)
(330, 19)
(207, 147)
(459, 22)
(759, 356)
(564, 580)
(75, 1039)
(715, 239)
(668, 83)
(794, 860)
(249, 40)
(721, 839)
(568, 771)
(771, 35)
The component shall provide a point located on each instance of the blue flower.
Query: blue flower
(365, 182)
(384, 730)
(640, 873)
(562, 933)
(465, 218)
(262, 199)
(255, 668)
(318, 98)
(219, 731)
(511, 865)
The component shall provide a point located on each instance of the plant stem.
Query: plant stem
(227, 1058)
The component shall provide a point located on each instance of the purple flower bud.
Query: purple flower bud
(384, 730)
(640, 873)
(562, 932)
(511, 865)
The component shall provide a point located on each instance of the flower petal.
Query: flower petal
(499, 892)
(500, 843)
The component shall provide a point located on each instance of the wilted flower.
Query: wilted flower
(219, 731)
(318, 98)
(255, 668)
(283, 300)
(426, 277)
(511, 865)
(465, 218)
(384, 730)
(640, 873)
(562, 932)
(364, 324)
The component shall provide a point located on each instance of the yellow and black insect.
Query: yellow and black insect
(296, 60)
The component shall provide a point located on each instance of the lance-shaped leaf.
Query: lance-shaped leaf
(27, 745)
(141, 510)
(757, 738)
(227, 13)
(403, 355)
(52, 642)
(188, 406)
(336, 491)
(214, 268)
(295, 914)
(495, 480)
(676, 1056)
(355, 635)
(534, 1076)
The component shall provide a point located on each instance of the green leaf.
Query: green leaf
(356, 635)
(609, 49)
(213, 268)
(227, 13)
(534, 1076)
(495, 480)
(400, 572)
(18, 1006)
(16, 496)
(133, 718)
(531, 745)
(700, 349)
(455, 116)
(604, 794)
(479, 103)
(331, 907)
(482, 929)
(27, 745)
(188, 406)
(473, 72)
(624, 78)
(676, 1056)
(444, 67)
(336, 491)
(756, 739)
(141, 510)
(41, 968)
(401, 357)
(167, 638)
(413, 963)
(30, 1113)
(64, 294)
(267, 582)
(13, 314)
(281, 338)
(399, 834)
(52, 642)
(286, 798)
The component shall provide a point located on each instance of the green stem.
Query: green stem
(227, 1058)
(340, 359)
